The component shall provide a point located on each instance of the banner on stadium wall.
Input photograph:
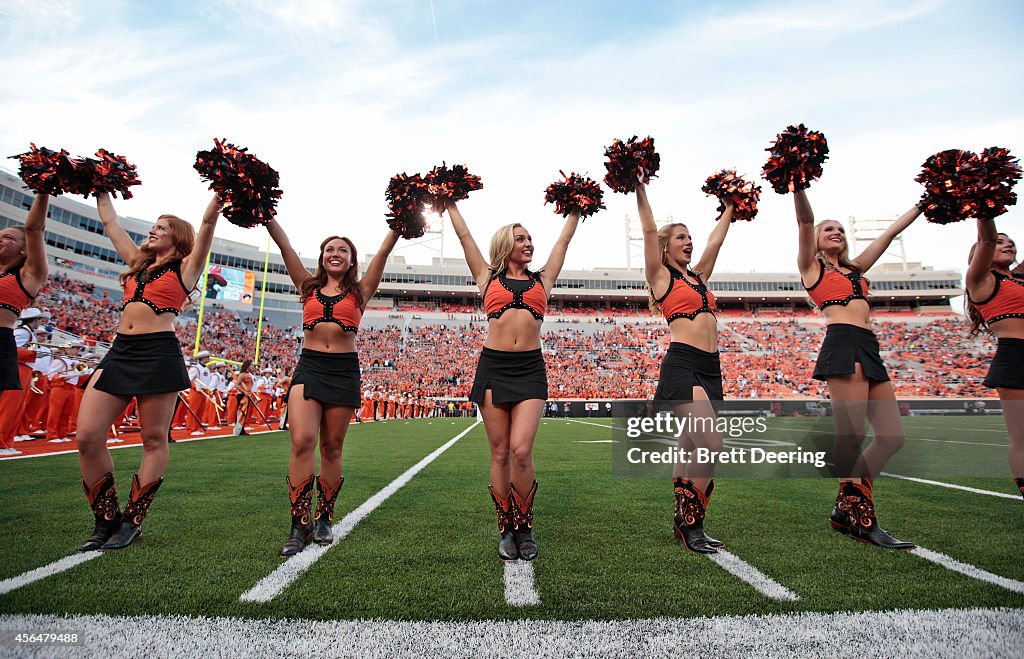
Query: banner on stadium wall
(230, 284)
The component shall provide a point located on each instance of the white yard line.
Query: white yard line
(56, 567)
(519, 586)
(184, 440)
(969, 570)
(277, 581)
(946, 633)
(760, 581)
(953, 486)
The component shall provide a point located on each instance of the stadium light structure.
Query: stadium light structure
(635, 236)
(865, 231)
(434, 233)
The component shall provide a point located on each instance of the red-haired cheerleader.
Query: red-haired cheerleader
(144, 361)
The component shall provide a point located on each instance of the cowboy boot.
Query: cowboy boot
(302, 523)
(858, 503)
(707, 497)
(691, 505)
(507, 549)
(134, 513)
(1020, 485)
(839, 520)
(522, 513)
(325, 498)
(103, 500)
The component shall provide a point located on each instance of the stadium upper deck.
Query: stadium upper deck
(77, 246)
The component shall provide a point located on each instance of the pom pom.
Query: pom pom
(110, 173)
(727, 183)
(445, 185)
(46, 171)
(575, 194)
(950, 179)
(406, 195)
(998, 173)
(795, 159)
(246, 185)
(630, 162)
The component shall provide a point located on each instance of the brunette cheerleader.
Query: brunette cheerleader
(325, 386)
(995, 304)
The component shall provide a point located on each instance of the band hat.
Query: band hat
(29, 313)
(202, 353)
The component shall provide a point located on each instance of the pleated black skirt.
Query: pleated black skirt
(1007, 369)
(846, 345)
(685, 367)
(511, 376)
(330, 378)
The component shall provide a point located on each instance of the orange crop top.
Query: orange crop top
(835, 287)
(164, 291)
(526, 294)
(13, 295)
(686, 301)
(342, 310)
(1005, 301)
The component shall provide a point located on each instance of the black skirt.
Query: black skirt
(330, 378)
(511, 376)
(143, 365)
(843, 347)
(685, 367)
(1007, 369)
(9, 378)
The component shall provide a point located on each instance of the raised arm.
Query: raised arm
(654, 269)
(375, 271)
(874, 251)
(33, 272)
(807, 250)
(193, 264)
(706, 265)
(474, 259)
(979, 279)
(292, 262)
(556, 259)
(123, 244)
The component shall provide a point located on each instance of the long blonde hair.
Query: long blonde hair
(502, 243)
(844, 253)
(664, 235)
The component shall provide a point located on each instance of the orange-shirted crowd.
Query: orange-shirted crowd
(420, 371)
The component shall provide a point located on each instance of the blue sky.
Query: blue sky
(338, 96)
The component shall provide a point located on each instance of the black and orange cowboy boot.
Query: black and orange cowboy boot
(858, 503)
(325, 498)
(302, 520)
(105, 508)
(507, 549)
(134, 513)
(522, 513)
(691, 506)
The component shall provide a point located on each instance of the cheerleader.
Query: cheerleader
(849, 361)
(691, 374)
(144, 362)
(22, 274)
(325, 386)
(511, 384)
(995, 304)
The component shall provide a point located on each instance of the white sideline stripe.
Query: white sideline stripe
(66, 563)
(519, 588)
(760, 581)
(968, 570)
(274, 583)
(953, 486)
(116, 447)
(946, 633)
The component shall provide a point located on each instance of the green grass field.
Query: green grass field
(428, 552)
